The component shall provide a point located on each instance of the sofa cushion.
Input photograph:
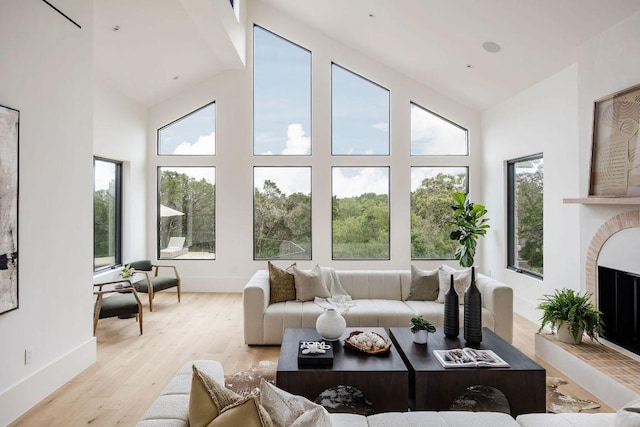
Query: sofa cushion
(629, 415)
(433, 312)
(245, 412)
(281, 284)
(289, 410)
(566, 420)
(442, 419)
(425, 284)
(348, 420)
(372, 284)
(461, 281)
(379, 312)
(309, 284)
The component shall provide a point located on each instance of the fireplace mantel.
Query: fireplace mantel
(603, 200)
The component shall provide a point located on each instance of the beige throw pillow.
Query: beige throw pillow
(628, 415)
(246, 412)
(289, 410)
(281, 284)
(309, 284)
(425, 285)
(461, 281)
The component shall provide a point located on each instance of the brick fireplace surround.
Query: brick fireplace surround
(609, 374)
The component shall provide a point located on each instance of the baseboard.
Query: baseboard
(21, 397)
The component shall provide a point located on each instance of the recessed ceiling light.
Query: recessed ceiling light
(371, 15)
(115, 28)
(175, 77)
(469, 66)
(491, 47)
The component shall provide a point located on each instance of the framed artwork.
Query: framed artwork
(615, 151)
(9, 125)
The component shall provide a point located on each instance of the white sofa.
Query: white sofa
(171, 409)
(381, 300)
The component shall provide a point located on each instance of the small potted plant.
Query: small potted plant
(572, 315)
(420, 327)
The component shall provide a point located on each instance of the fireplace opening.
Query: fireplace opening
(619, 302)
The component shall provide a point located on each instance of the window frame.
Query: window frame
(511, 201)
(466, 133)
(159, 201)
(118, 215)
(253, 95)
(215, 128)
(388, 153)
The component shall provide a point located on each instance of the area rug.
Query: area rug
(247, 382)
(558, 402)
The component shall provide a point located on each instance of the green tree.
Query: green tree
(529, 214)
(361, 226)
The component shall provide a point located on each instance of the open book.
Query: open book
(469, 358)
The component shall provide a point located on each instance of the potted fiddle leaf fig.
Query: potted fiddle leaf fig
(421, 328)
(572, 315)
(469, 226)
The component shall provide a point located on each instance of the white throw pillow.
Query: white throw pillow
(461, 281)
(629, 415)
(286, 409)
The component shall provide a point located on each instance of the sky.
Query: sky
(288, 179)
(418, 174)
(193, 134)
(432, 135)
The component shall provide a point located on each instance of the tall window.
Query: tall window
(107, 214)
(191, 135)
(432, 135)
(187, 213)
(360, 212)
(359, 115)
(282, 212)
(431, 189)
(281, 96)
(525, 219)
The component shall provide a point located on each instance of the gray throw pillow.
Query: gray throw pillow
(309, 284)
(425, 285)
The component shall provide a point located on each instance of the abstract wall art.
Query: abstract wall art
(9, 126)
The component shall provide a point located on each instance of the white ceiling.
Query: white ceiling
(432, 41)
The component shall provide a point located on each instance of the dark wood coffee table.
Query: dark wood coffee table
(384, 378)
(432, 387)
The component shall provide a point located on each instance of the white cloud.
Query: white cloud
(352, 182)
(432, 135)
(418, 174)
(297, 142)
(384, 126)
(205, 145)
(288, 179)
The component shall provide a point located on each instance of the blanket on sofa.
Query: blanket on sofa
(340, 300)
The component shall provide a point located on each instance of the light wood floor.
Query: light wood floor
(132, 369)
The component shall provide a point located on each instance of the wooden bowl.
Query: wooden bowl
(349, 344)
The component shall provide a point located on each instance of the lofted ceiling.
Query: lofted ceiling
(435, 42)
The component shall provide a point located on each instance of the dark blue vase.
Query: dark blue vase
(451, 325)
(473, 312)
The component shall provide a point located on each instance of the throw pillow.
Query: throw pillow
(207, 399)
(309, 284)
(286, 409)
(628, 415)
(461, 281)
(246, 412)
(281, 284)
(425, 285)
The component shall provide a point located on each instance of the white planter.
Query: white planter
(564, 334)
(330, 325)
(420, 337)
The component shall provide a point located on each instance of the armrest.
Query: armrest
(498, 299)
(173, 267)
(255, 300)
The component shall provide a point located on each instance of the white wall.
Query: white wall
(120, 133)
(233, 93)
(555, 117)
(542, 119)
(46, 73)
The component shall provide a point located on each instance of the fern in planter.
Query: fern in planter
(569, 306)
(469, 226)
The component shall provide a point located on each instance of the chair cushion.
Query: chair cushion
(144, 265)
(118, 305)
(159, 283)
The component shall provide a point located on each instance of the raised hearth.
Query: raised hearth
(608, 374)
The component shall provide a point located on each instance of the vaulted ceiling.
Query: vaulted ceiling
(435, 42)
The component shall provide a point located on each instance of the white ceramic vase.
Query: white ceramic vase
(420, 337)
(330, 325)
(564, 334)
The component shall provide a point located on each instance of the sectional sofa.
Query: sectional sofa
(171, 409)
(381, 300)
